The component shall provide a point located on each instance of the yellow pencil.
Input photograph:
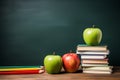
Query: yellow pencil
(13, 69)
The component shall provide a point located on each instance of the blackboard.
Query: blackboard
(32, 29)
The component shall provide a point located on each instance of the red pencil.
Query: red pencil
(22, 72)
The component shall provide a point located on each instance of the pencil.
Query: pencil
(2, 67)
(21, 72)
(14, 69)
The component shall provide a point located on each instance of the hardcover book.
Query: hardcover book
(98, 72)
(95, 61)
(89, 64)
(94, 52)
(103, 68)
(93, 56)
(91, 48)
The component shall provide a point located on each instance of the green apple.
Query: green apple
(92, 36)
(53, 64)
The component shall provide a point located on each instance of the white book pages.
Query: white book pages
(88, 65)
(93, 57)
(94, 52)
(98, 72)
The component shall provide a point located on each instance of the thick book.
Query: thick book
(82, 47)
(93, 56)
(94, 52)
(95, 61)
(97, 72)
(100, 68)
(89, 65)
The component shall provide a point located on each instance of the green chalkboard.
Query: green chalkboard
(31, 29)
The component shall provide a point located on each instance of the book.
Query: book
(94, 52)
(88, 65)
(91, 48)
(102, 68)
(95, 61)
(98, 72)
(93, 56)
(98, 69)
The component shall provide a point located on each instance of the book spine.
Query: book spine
(104, 68)
(92, 57)
(98, 72)
(93, 52)
(91, 48)
(89, 65)
(101, 61)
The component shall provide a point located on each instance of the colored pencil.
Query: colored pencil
(14, 69)
(21, 72)
(20, 67)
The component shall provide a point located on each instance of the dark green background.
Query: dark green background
(31, 29)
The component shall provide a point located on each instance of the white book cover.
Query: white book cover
(98, 72)
(95, 61)
(102, 68)
(88, 65)
(83, 47)
(93, 56)
(94, 52)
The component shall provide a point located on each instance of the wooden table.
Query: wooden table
(65, 76)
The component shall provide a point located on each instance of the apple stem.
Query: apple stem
(93, 26)
(53, 53)
(70, 51)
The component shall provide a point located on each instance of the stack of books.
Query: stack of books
(94, 59)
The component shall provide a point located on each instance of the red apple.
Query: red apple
(71, 62)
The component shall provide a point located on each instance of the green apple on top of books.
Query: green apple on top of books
(92, 36)
(53, 63)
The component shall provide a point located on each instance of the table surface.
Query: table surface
(65, 76)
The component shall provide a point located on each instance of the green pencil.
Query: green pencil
(4, 67)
